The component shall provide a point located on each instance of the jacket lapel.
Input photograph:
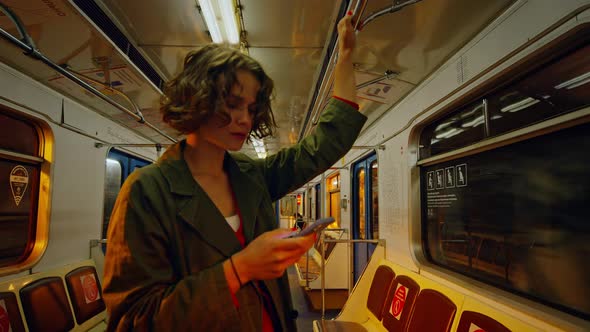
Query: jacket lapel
(248, 193)
(193, 205)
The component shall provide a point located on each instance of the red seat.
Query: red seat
(432, 312)
(85, 293)
(9, 313)
(399, 303)
(471, 320)
(46, 306)
(379, 288)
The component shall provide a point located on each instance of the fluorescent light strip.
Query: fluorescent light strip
(574, 82)
(519, 106)
(229, 21)
(211, 21)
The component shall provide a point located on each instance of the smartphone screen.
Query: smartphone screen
(317, 226)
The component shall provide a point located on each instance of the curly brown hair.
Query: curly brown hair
(198, 92)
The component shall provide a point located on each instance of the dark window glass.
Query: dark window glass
(318, 201)
(455, 131)
(516, 217)
(374, 167)
(19, 187)
(119, 165)
(18, 136)
(558, 87)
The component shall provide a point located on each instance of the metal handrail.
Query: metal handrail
(323, 241)
(94, 243)
(27, 45)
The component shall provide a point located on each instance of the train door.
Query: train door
(333, 191)
(119, 166)
(365, 211)
(318, 201)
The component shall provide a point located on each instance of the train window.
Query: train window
(460, 129)
(521, 225)
(515, 216)
(374, 168)
(361, 214)
(318, 201)
(557, 87)
(365, 222)
(113, 180)
(119, 165)
(20, 169)
(333, 185)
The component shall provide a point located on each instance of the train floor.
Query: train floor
(306, 314)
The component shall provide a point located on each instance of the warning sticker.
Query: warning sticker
(90, 287)
(19, 179)
(475, 328)
(383, 92)
(439, 178)
(461, 175)
(450, 177)
(399, 300)
(4, 319)
(430, 180)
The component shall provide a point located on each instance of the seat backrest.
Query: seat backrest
(379, 288)
(9, 313)
(85, 293)
(432, 312)
(475, 321)
(46, 306)
(399, 303)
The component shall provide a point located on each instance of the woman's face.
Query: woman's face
(240, 105)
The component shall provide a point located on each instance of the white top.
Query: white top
(234, 222)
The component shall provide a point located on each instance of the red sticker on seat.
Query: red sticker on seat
(399, 300)
(4, 319)
(90, 288)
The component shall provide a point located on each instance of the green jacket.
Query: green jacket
(167, 239)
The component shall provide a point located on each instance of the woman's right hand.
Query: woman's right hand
(270, 254)
(344, 80)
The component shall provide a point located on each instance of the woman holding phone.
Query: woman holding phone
(193, 243)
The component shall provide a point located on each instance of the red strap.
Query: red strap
(266, 320)
(351, 103)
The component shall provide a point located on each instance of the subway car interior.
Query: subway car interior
(456, 208)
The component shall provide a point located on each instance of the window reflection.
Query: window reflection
(521, 225)
(361, 199)
(375, 199)
(559, 86)
(456, 131)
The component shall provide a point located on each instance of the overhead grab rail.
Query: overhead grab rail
(396, 6)
(327, 81)
(26, 44)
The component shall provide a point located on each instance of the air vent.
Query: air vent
(95, 13)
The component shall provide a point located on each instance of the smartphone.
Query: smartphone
(317, 226)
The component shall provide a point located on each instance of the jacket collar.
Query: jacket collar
(196, 208)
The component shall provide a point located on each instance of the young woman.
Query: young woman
(193, 243)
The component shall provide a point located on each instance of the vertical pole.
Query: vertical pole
(323, 276)
(323, 204)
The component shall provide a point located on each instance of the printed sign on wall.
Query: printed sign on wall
(19, 179)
